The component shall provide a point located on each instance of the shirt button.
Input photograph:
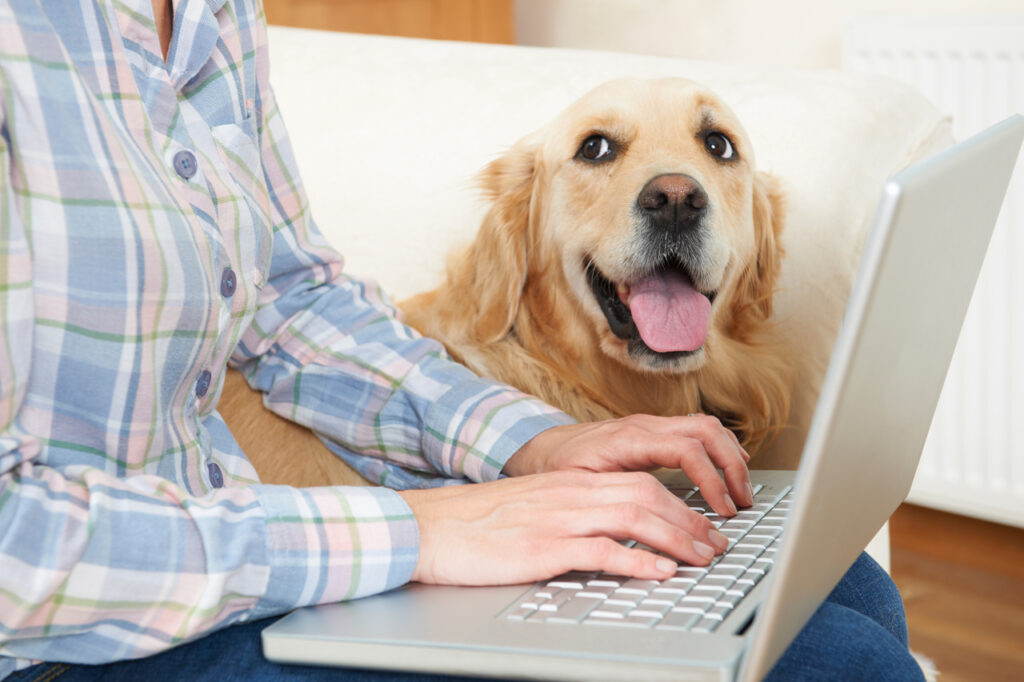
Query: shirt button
(216, 477)
(228, 282)
(185, 164)
(203, 383)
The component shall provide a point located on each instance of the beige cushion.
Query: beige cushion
(389, 134)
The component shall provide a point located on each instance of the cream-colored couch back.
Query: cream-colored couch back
(389, 134)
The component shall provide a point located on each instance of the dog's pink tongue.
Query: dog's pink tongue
(669, 313)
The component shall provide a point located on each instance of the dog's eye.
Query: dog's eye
(596, 148)
(719, 145)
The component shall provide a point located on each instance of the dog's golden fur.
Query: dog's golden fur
(516, 304)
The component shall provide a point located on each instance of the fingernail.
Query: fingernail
(730, 505)
(750, 494)
(704, 550)
(666, 565)
(717, 538)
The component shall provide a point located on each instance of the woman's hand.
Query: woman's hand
(533, 527)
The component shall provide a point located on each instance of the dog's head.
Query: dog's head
(643, 198)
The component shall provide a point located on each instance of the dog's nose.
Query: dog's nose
(673, 200)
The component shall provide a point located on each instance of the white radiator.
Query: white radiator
(973, 70)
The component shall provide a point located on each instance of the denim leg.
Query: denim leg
(868, 589)
(839, 643)
(858, 633)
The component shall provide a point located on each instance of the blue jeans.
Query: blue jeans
(858, 633)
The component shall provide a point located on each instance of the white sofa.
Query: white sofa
(389, 134)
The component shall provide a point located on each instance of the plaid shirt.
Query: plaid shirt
(153, 229)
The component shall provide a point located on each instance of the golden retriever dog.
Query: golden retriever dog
(627, 264)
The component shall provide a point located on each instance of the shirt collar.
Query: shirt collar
(193, 39)
(196, 32)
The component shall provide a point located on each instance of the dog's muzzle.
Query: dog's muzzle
(662, 310)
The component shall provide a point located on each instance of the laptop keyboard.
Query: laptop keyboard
(696, 598)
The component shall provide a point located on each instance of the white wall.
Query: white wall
(772, 32)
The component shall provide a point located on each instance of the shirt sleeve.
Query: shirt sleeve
(329, 353)
(95, 567)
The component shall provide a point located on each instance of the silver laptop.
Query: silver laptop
(734, 619)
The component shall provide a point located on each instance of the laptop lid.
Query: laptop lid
(903, 318)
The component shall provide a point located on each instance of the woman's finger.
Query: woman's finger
(630, 521)
(647, 492)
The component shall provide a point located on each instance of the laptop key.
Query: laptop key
(746, 546)
(597, 592)
(715, 519)
(729, 599)
(710, 591)
(607, 610)
(613, 581)
(705, 625)
(678, 620)
(735, 559)
(652, 607)
(522, 613)
(670, 589)
(698, 609)
(628, 621)
(570, 585)
(743, 522)
(755, 576)
(756, 542)
(641, 621)
(681, 492)
(630, 598)
(771, 493)
(728, 570)
(556, 601)
(695, 572)
(638, 586)
(574, 610)
(656, 597)
(717, 580)
(574, 578)
(763, 535)
(718, 611)
(697, 602)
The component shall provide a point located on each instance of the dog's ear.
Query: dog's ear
(495, 271)
(758, 281)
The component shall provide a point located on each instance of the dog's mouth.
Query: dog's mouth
(660, 311)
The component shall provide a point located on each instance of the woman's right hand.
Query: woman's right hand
(528, 528)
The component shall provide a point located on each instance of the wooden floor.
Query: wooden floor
(962, 582)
